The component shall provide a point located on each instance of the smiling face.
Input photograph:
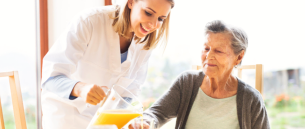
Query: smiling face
(217, 56)
(146, 16)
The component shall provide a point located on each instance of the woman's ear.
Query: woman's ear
(240, 57)
(130, 3)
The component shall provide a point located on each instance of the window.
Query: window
(18, 53)
(275, 31)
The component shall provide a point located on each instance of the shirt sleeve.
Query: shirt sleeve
(259, 119)
(61, 86)
(166, 107)
(63, 57)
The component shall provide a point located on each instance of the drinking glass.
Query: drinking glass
(103, 127)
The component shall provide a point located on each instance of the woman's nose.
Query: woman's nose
(209, 55)
(153, 24)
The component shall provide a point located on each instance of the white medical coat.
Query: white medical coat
(89, 51)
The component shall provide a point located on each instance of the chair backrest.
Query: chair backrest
(258, 74)
(16, 99)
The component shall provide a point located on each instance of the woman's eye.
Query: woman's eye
(219, 51)
(206, 49)
(147, 13)
(160, 19)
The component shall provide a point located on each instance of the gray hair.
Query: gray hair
(239, 39)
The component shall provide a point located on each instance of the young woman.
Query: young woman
(104, 46)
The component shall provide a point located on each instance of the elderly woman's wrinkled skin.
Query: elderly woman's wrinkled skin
(218, 60)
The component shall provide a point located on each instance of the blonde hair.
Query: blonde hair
(121, 25)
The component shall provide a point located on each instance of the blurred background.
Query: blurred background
(276, 39)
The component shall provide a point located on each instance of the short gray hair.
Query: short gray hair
(239, 39)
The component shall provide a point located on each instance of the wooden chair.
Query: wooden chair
(258, 74)
(17, 100)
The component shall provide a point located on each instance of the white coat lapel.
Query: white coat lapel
(114, 51)
(136, 56)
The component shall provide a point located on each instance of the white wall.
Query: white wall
(275, 30)
(61, 12)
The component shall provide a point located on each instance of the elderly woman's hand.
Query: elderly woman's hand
(137, 125)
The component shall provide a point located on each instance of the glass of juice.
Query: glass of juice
(118, 108)
(103, 127)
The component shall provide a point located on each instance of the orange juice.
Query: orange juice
(117, 117)
(142, 122)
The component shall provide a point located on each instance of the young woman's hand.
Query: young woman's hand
(93, 94)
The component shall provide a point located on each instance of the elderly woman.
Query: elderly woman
(213, 98)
